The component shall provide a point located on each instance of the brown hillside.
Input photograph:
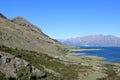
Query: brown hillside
(19, 33)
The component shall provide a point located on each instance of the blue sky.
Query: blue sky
(61, 19)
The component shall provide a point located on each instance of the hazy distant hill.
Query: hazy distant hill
(93, 40)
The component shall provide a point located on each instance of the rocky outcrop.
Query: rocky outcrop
(23, 23)
(1, 15)
(12, 66)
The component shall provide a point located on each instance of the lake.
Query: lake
(112, 54)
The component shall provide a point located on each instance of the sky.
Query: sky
(62, 19)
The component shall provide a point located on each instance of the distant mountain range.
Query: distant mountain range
(93, 40)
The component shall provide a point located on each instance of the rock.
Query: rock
(18, 63)
(18, 56)
(96, 67)
(38, 72)
(11, 65)
(12, 78)
(29, 67)
(33, 78)
(84, 64)
(0, 56)
(8, 60)
(25, 63)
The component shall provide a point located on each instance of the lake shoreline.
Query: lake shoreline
(107, 54)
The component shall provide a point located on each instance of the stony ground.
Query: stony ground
(96, 68)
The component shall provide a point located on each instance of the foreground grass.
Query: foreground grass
(111, 73)
(2, 76)
(67, 71)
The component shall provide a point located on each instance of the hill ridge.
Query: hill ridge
(21, 34)
(1, 15)
(93, 40)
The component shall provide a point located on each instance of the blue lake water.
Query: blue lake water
(112, 54)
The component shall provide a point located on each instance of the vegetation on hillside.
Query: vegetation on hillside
(41, 61)
(54, 68)
(2, 76)
(111, 73)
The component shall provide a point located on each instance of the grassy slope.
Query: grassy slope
(28, 38)
(68, 71)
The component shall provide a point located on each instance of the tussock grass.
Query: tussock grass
(67, 71)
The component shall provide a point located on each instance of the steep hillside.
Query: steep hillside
(19, 33)
(93, 40)
(26, 53)
(29, 65)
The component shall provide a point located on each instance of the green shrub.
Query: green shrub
(110, 70)
(2, 76)
(111, 73)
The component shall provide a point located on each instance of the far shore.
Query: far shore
(92, 57)
(84, 49)
(95, 57)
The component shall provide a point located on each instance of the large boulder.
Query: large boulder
(14, 65)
